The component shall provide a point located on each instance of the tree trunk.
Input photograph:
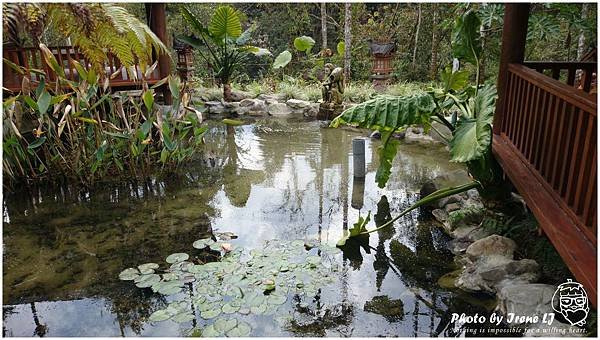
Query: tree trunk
(347, 40)
(434, 44)
(414, 56)
(227, 92)
(482, 37)
(581, 41)
(324, 25)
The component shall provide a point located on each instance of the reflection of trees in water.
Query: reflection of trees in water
(40, 328)
(316, 320)
(132, 308)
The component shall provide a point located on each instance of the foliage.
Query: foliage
(282, 59)
(222, 44)
(238, 283)
(80, 131)
(95, 28)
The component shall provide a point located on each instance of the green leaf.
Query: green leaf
(225, 23)
(148, 268)
(37, 143)
(159, 315)
(304, 43)
(233, 122)
(473, 137)
(183, 317)
(129, 274)
(148, 98)
(174, 86)
(465, 38)
(387, 152)
(456, 80)
(341, 48)
(388, 113)
(282, 59)
(43, 102)
(191, 19)
(358, 228)
(242, 330)
(245, 36)
(177, 257)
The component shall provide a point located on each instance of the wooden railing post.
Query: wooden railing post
(514, 35)
(158, 24)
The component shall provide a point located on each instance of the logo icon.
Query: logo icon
(571, 301)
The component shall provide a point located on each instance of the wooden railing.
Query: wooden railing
(546, 143)
(31, 59)
(567, 72)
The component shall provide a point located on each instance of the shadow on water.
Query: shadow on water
(275, 179)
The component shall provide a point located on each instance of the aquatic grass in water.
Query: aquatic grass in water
(257, 282)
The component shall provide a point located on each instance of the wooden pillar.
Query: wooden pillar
(514, 35)
(157, 21)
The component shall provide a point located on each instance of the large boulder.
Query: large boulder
(278, 109)
(252, 107)
(417, 135)
(489, 266)
(302, 107)
(493, 245)
(238, 95)
(215, 107)
(297, 104)
(525, 299)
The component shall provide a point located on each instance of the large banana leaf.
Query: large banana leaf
(191, 19)
(465, 38)
(225, 23)
(388, 113)
(473, 136)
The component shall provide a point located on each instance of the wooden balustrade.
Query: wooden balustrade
(30, 58)
(546, 143)
(567, 72)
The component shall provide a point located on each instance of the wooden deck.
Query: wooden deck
(545, 141)
(30, 58)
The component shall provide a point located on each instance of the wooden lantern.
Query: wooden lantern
(185, 59)
(382, 54)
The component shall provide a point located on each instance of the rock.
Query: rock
(492, 273)
(278, 109)
(416, 135)
(469, 232)
(473, 194)
(525, 299)
(557, 329)
(493, 245)
(297, 104)
(214, 107)
(440, 215)
(452, 207)
(458, 246)
(252, 107)
(312, 111)
(427, 188)
(237, 95)
(375, 135)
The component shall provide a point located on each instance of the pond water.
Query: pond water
(284, 179)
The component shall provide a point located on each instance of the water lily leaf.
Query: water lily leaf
(211, 313)
(297, 243)
(256, 300)
(148, 268)
(177, 257)
(275, 299)
(129, 274)
(159, 315)
(169, 289)
(183, 317)
(148, 280)
(242, 329)
(215, 246)
(169, 276)
(211, 332)
(180, 267)
(202, 243)
(313, 259)
(224, 325)
(260, 309)
(244, 311)
(229, 308)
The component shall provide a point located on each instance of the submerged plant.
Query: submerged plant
(257, 282)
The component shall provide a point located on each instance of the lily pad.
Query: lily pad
(148, 268)
(169, 288)
(215, 246)
(224, 325)
(229, 308)
(159, 315)
(148, 280)
(313, 259)
(177, 257)
(242, 329)
(276, 299)
(203, 243)
(211, 313)
(211, 332)
(183, 317)
(260, 309)
(129, 274)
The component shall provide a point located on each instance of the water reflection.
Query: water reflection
(64, 246)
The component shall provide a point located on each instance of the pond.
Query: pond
(273, 179)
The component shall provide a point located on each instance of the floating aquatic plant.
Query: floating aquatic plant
(257, 282)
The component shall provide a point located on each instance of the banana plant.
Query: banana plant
(222, 44)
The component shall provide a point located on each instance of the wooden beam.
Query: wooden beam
(157, 21)
(514, 35)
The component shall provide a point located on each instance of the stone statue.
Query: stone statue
(332, 91)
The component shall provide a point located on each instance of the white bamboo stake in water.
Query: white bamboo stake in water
(358, 157)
